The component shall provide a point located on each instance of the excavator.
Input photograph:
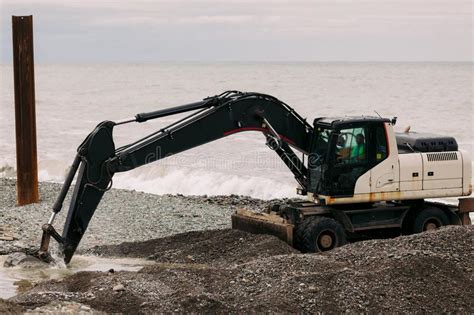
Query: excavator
(358, 174)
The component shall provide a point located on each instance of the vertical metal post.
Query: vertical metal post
(25, 114)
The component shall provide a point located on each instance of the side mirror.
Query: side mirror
(394, 121)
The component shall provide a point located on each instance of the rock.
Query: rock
(63, 307)
(23, 260)
(119, 287)
(85, 308)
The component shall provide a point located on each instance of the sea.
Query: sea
(71, 99)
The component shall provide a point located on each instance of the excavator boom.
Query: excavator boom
(213, 118)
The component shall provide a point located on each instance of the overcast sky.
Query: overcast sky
(240, 30)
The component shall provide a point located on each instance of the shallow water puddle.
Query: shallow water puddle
(14, 279)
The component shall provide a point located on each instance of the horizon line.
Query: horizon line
(239, 61)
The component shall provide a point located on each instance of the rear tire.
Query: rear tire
(429, 219)
(319, 234)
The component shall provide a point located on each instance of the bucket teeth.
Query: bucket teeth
(263, 223)
(41, 255)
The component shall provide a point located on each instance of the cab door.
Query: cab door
(385, 171)
(350, 160)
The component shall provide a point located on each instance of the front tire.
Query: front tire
(429, 219)
(319, 234)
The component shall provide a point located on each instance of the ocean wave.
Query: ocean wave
(203, 182)
(185, 180)
(7, 171)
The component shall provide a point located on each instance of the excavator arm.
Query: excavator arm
(231, 112)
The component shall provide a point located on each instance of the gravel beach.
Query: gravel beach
(197, 264)
(122, 215)
(229, 271)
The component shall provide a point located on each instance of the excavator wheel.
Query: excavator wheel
(319, 234)
(429, 219)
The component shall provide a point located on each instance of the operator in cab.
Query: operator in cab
(358, 151)
(342, 151)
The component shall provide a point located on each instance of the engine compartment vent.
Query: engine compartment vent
(448, 156)
(424, 142)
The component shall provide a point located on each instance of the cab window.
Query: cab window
(351, 146)
(381, 150)
(320, 146)
(352, 160)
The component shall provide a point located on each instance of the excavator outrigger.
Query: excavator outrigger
(378, 189)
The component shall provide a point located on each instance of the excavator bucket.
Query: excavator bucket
(263, 223)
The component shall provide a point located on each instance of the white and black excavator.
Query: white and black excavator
(359, 175)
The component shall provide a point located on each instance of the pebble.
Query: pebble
(118, 287)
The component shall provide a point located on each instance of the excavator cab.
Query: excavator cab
(342, 149)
